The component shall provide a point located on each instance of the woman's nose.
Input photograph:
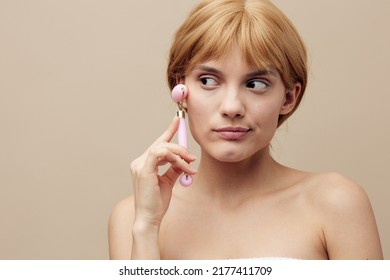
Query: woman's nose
(232, 104)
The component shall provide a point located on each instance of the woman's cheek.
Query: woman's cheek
(195, 127)
(198, 115)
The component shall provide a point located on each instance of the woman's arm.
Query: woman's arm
(120, 227)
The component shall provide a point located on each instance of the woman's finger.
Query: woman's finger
(174, 154)
(170, 132)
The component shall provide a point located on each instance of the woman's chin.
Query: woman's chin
(230, 157)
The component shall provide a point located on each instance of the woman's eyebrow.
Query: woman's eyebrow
(261, 73)
(213, 70)
(208, 69)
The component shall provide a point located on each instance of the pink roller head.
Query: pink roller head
(179, 93)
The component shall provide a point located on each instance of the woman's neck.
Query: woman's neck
(237, 180)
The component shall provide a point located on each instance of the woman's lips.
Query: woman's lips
(232, 133)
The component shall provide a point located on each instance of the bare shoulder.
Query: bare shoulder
(120, 228)
(123, 211)
(332, 190)
(346, 215)
(334, 195)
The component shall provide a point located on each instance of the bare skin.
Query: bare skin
(317, 216)
(242, 204)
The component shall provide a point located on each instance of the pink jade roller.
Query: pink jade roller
(179, 93)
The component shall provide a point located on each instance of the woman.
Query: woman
(245, 68)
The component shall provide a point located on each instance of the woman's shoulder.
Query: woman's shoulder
(325, 193)
(330, 190)
(338, 202)
(344, 211)
(123, 210)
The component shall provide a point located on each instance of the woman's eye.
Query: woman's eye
(208, 82)
(256, 84)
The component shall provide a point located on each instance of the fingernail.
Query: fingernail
(194, 170)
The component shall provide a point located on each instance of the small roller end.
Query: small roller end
(185, 180)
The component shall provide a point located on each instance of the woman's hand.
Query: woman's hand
(153, 192)
(135, 222)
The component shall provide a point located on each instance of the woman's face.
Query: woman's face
(233, 109)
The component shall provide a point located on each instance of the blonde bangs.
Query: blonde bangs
(257, 48)
(214, 47)
(209, 32)
(237, 31)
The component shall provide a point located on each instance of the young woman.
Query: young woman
(245, 68)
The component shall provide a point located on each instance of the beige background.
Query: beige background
(83, 92)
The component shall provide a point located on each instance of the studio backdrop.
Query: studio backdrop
(83, 92)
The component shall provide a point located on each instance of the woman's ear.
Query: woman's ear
(290, 99)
